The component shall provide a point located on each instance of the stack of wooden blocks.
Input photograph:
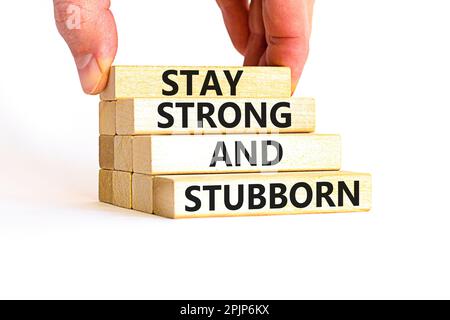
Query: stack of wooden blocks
(184, 142)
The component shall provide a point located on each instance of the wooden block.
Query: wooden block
(107, 118)
(123, 149)
(115, 188)
(222, 195)
(235, 153)
(106, 152)
(105, 186)
(142, 193)
(241, 82)
(116, 153)
(213, 116)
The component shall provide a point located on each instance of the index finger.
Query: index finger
(288, 29)
(235, 16)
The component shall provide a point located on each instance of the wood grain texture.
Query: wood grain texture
(123, 149)
(194, 154)
(147, 82)
(106, 152)
(142, 193)
(115, 153)
(141, 116)
(170, 194)
(107, 117)
(105, 186)
(115, 188)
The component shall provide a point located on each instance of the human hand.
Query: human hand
(268, 32)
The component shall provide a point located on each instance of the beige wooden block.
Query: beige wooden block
(142, 193)
(116, 153)
(214, 116)
(107, 116)
(115, 188)
(123, 149)
(235, 153)
(223, 195)
(122, 189)
(105, 186)
(153, 82)
(106, 152)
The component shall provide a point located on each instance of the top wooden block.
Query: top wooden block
(127, 82)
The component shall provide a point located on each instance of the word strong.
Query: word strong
(173, 78)
(222, 154)
(206, 116)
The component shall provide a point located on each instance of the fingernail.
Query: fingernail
(93, 80)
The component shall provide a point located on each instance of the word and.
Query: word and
(221, 153)
(210, 82)
(229, 114)
(275, 196)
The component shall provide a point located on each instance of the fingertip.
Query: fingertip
(241, 47)
(93, 73)
(288, 52)
(294, 86)
(297, 71)
(295, 77)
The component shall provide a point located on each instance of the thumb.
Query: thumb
(90, 31)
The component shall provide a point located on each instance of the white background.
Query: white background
(380, 71)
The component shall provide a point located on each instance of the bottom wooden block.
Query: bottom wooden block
(115, 188)
(218, 195)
